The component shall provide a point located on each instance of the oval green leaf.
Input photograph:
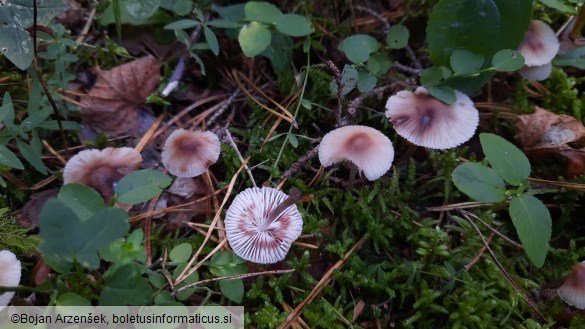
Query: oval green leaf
(181, 253)
(232, 289)
(358, 47)
(506, 159)
(507, 60)
(443, 93)
(211, 40)
(254, 38)
(294, 25)
(141, 186)
(533, 225)
(479, 182)
(434, 75)
(261, 11)
(83, 200)
(397, 37)
(466, 62)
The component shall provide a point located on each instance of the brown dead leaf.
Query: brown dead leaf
(29, 214)
(114, 105)
(532, 127)
(357, 310)
(575, 161)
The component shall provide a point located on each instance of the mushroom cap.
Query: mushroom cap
(189, 153)
(540, 44)
(9, 275)
(101, 169)
(572, 291)
(536, 73)
(251, 236)
(365, 147)
(426, 121)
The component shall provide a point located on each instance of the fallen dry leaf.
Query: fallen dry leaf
(544, 133)
(29, 214)
(114, 106)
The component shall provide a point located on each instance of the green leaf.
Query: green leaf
(141, 186)
(263, 12)
(366, 81)
(181, 253)
(72, 299)
(8, 158)
(443, 93)
(506, 159)
(182, 24)
(7, 111)
(479, 182)
(466, 62)
(397, 37)
(211, 40)
(141, 9)
(279, 51)
(294, 25)
(83, 200)
(32, 156)
(379, 64)
(349, 77)
(254, 38)
(294, 142)
(483, 27)
(54, 125)
(507, 60)
(66, 236)
(469, 84)
(533, 225)
(559, 5)
(574, 62)
(434, 75)
(179, 7)
(126, 286)
(358, 47)
(226, 263)
(224, 24)
(232, 289)
(234, 13)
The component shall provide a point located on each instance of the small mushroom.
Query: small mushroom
(262, 223)
(367, 148)
(572, 291)
(101, 170)
(10, 272)
(536, 73)
(189, 153)
(540, 44)
(426, 121)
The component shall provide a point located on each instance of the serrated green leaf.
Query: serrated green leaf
(397, 37)
(181, 253)
(443, 93)
(83, 200)
(506, 159)
(479, 182)
(456, 24)
(466, 62)
(261, 11)
(294, 25)
(254, 38)
(8, 158)
(533, 225)
(358, 47)
(232, 289)
(507, 60)
(141, 186)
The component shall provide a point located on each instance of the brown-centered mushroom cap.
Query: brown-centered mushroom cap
(189, 153)
(540, 44)
(101, 170)
(426, 121)
(573, 290)
(10, 272)
(369, 149)
(258, 229)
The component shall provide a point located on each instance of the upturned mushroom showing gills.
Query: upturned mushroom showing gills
(572, 291)
(101, 170)
(426, 121)
(262, 223)
(10, 272)
(189, 153)
(370, 150)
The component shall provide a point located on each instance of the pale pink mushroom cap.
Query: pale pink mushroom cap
(101, 170)
(540, 44)
(251, 236)
(10, 272)
(573, 290)
(370, 150)
(536, 73)
(426, 121)
(189, 153)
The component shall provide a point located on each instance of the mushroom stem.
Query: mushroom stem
(352, 173)
(294, 194)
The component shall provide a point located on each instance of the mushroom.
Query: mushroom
(101, 170)
(572, 291)
(426, 121)
(262, 223)
(540, 44)
(536, 73)
(367, 148)
(9, 275)
(189, 153)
